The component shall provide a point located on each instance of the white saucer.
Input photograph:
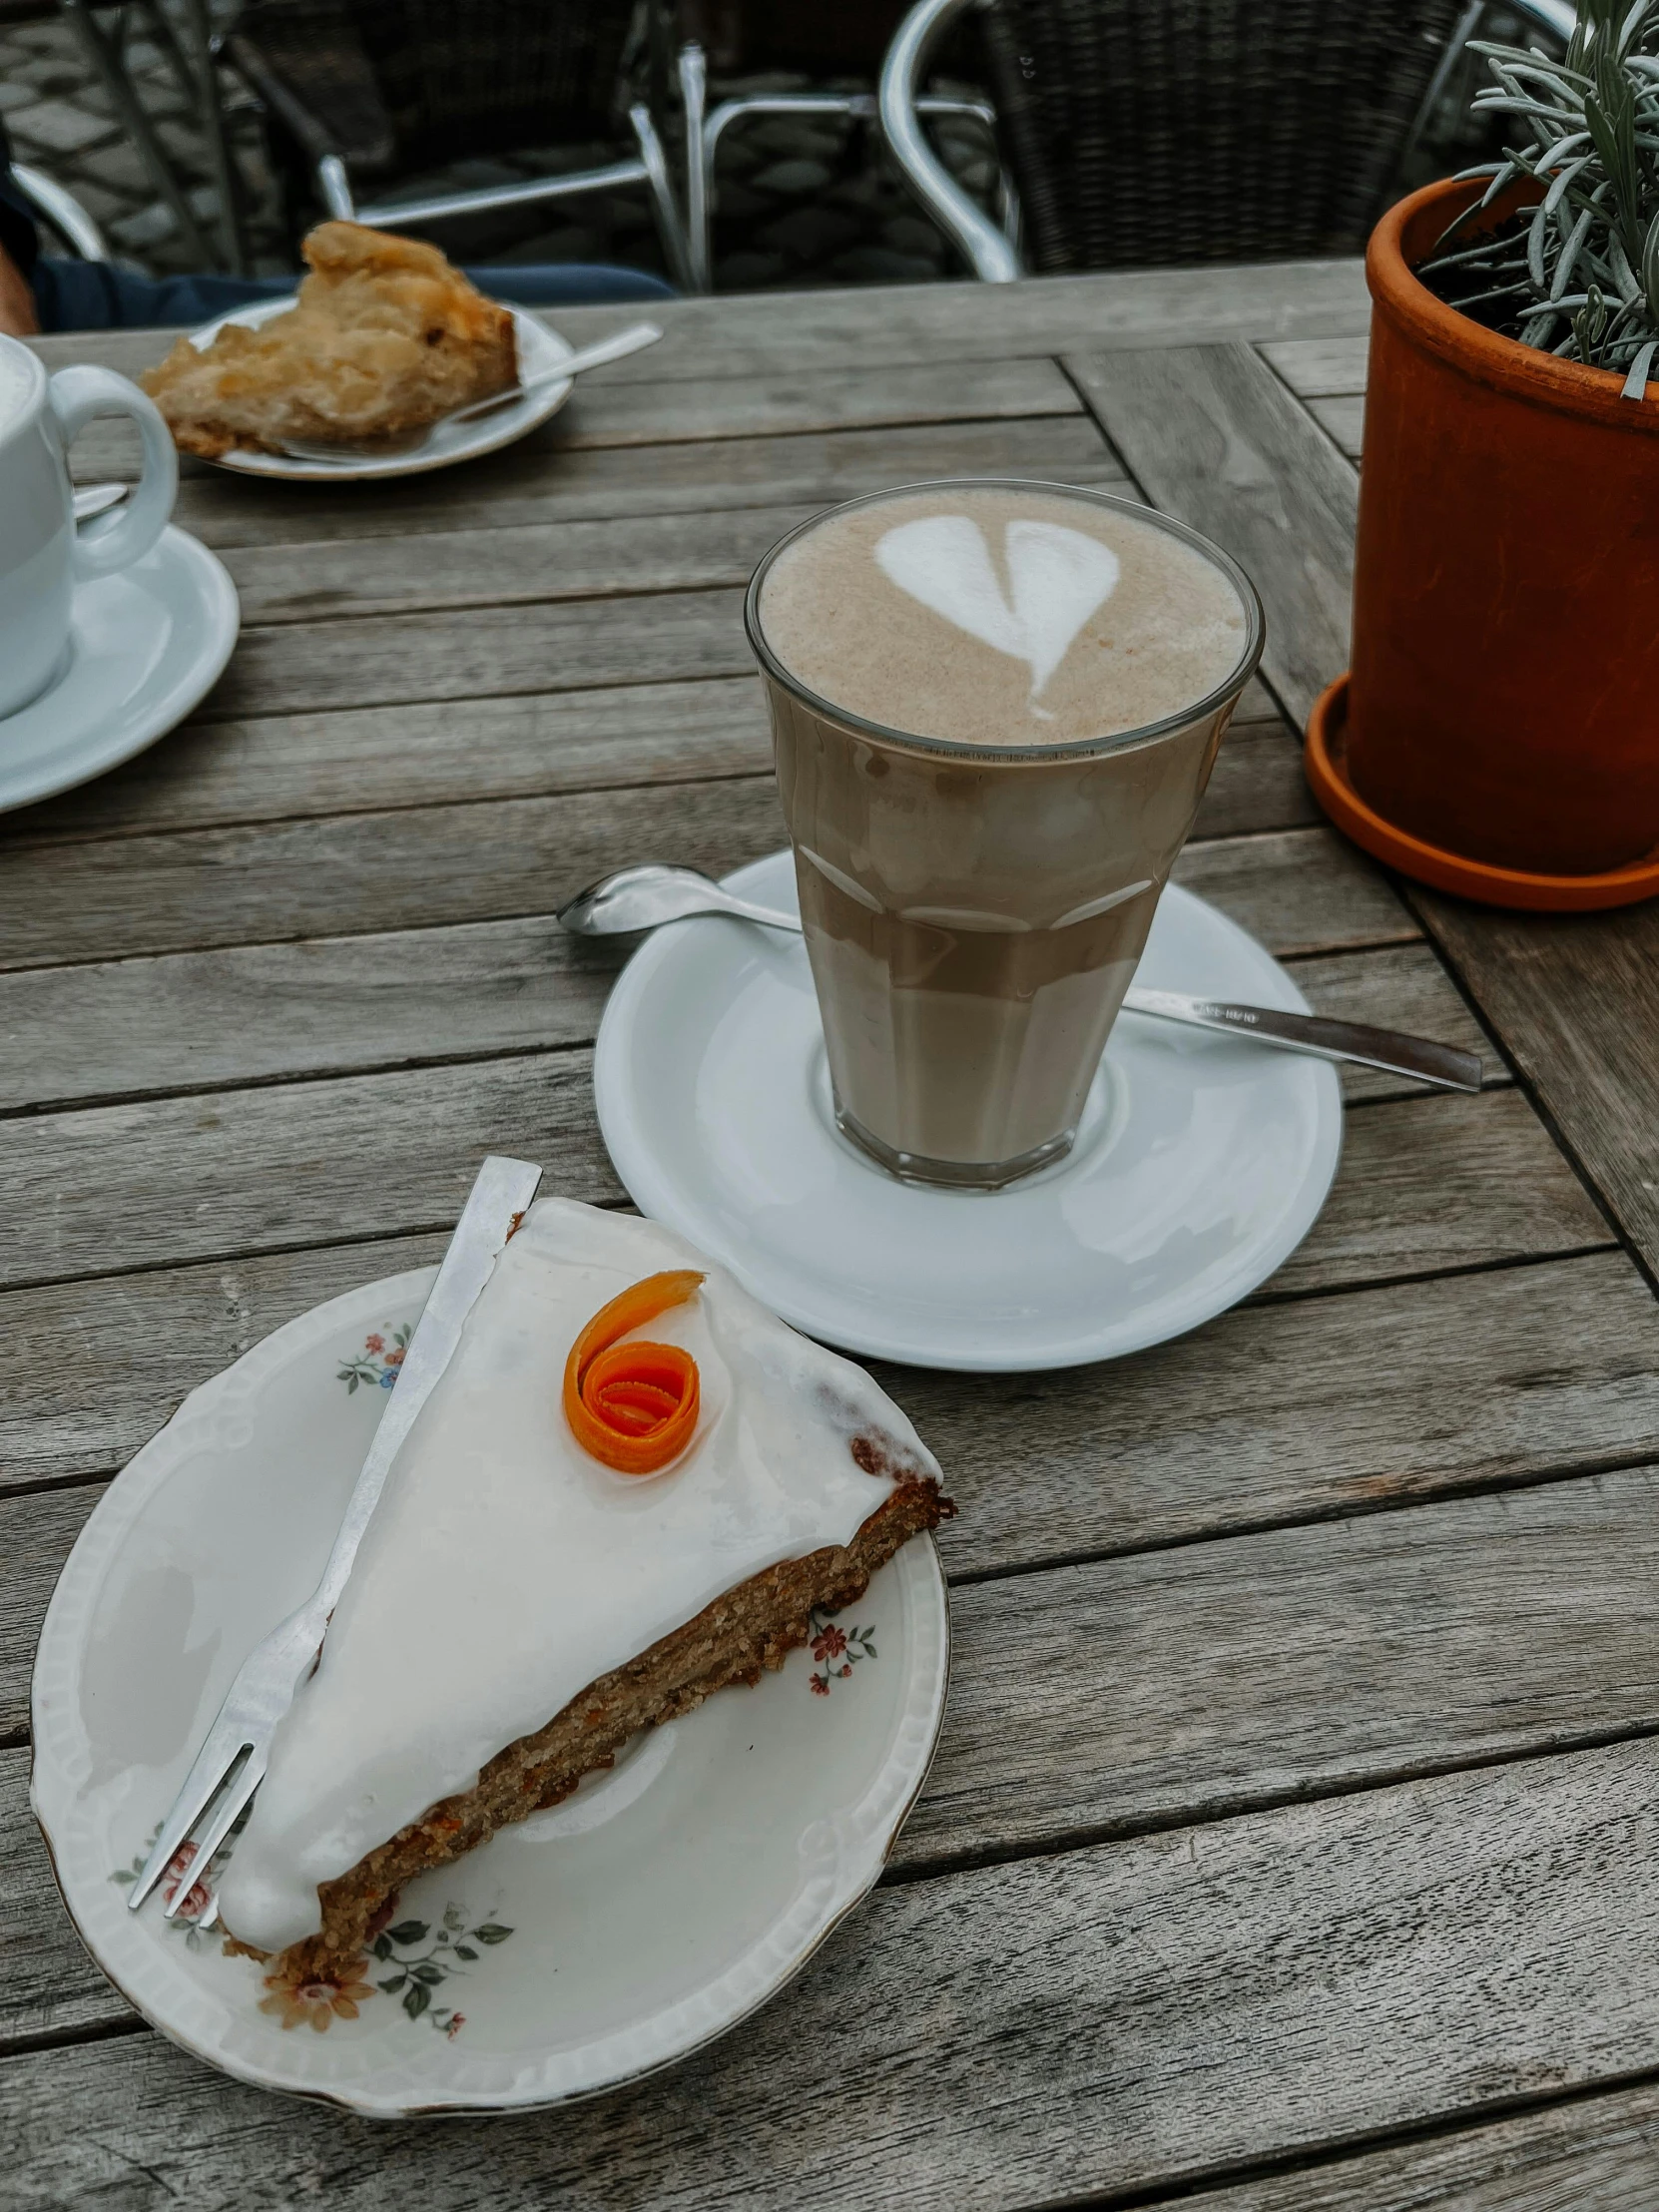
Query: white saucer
(539, 349)
(590, 1944)
(1201, 1164)
(146, 644)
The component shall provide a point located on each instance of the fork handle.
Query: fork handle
(503, 1188)
(614, 348)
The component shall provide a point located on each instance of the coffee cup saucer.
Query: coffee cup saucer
(146, 644)
(1201, 1162)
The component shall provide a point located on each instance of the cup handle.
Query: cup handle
(116, 540)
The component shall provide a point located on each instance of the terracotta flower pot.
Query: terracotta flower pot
(1503, 705)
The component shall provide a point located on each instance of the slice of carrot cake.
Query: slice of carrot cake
(631, 1487)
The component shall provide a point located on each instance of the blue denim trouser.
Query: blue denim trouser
(93, 296)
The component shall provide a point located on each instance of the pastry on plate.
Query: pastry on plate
(631, 1487)
(384, 339)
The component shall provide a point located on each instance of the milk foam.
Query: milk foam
(1057, 578)
(1001, 615)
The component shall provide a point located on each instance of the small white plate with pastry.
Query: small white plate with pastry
(382, 339)
(654, 1883)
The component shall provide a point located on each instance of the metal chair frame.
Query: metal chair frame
(649, 167)
(705, 130)
(195, 72)
(58, 206)
(991, 251)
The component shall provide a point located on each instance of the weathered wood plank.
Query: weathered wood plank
(504, 565)
(1138, 2013)
(860, 326)
(279, 766)
(1600, 2150)
(1191, 1684)
(482, 653)
(369, 871)
(1300, 890)
(276, 767)
(1343, 420)
(1195, 1683)
(1211, 435)
(1425, 1184)
(533, 482)
(36, 1535)
(1320, 369)
(150, 1338)
(1571, 998)
(1257, 783)
(1443, 1180)
(1281, 1412)
(606, 412)
(51, 1985)
(1398, 988)
(118, 1187)
(190, 1022)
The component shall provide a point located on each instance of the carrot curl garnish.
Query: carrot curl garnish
(633, 1405)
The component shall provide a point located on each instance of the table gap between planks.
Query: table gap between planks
(1291, 1837)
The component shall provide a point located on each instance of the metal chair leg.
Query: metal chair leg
(106, 52)
(694, 92)
(669, 226)
(211, 115)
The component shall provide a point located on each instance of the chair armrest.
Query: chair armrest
(305, 61)
(990, 253)
(63, 211)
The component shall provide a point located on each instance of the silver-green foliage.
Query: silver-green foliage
(1583, 278)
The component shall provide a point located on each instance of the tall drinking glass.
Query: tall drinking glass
(977, 888)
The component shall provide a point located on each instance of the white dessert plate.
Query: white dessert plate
(1200, 1164)
(539, 349)
(596, 1941)
(146, 644)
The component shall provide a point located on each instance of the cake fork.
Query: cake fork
(231, 1763)
(614, 348)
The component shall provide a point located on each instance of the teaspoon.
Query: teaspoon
(643, 897)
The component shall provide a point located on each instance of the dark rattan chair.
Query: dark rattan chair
(1152, 133)
(371, 91)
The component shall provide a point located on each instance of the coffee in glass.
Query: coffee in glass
(995, 708)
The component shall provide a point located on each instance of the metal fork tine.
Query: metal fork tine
(226, 1741)
(225, 1815)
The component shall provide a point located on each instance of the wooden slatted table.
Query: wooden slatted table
(1293, 1836)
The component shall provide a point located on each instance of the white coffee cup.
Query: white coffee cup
(43, 555)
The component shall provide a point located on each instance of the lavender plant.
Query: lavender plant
(1580, 274)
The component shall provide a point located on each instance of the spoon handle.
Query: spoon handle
(1388, 1049)
(1392, 1050)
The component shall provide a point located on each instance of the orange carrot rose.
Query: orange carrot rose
(633, 1405)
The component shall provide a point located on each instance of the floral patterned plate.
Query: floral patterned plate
(586, 1947)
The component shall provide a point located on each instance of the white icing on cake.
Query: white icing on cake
(505, 1569)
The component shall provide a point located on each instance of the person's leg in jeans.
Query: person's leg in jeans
(94, 295)
(568, 284)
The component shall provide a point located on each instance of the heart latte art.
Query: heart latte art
(1003, 616)
(1057, 578)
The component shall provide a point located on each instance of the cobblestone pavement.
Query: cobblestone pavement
(805, 200)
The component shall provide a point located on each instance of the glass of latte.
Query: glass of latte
(995, 707)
